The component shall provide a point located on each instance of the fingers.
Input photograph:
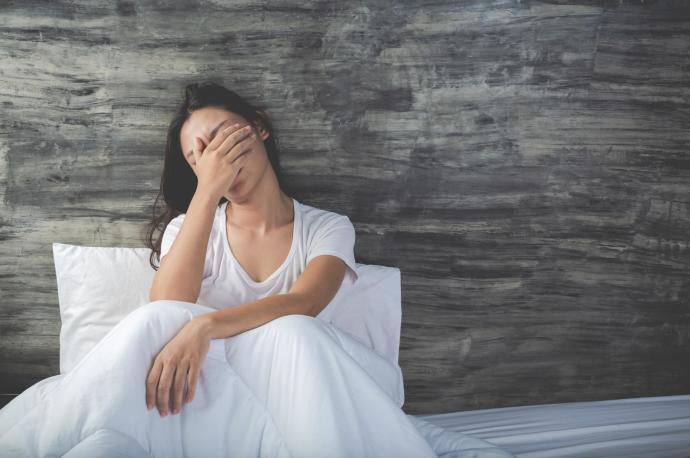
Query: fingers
(197, 149)
(221, 136)
(152, 383)
(240, 148)
(192, 378)
(164, 385)
(180, 379)
(242, 136)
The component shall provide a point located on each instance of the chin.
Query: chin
(243, 186)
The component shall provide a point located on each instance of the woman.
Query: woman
(229, 147)
(228, 358)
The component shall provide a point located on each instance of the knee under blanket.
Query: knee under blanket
(293, 387)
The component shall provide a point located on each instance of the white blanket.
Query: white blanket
(294, 387)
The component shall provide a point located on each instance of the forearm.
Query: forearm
(179, 277)
(230, 321)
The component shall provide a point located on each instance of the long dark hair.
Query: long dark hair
(178, 181)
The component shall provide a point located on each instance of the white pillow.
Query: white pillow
(98, 286)
(370, 308)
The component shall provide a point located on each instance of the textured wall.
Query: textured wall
(524, 163)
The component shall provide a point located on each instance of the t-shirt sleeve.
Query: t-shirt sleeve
(171, 231)
(335, 236)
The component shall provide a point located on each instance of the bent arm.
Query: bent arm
(180, 273)
(313, 290)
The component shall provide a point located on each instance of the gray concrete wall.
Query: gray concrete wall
(525, 164)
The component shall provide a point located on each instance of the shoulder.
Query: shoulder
(317, 220)
(330, 233)
(175, 223)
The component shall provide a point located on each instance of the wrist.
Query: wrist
(206, 324)
(205, 198)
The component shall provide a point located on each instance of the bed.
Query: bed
(642, 427)
(93, 301)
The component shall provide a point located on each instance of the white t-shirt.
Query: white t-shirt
(226, 284)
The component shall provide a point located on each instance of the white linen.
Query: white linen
(296, 386)
(656, 426)
(370, 310)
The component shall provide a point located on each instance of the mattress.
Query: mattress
(642, 427)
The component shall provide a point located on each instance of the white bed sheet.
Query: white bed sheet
(635, 427)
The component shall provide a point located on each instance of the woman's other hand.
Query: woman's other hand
(178, 363)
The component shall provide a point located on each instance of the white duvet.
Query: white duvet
(294, 387)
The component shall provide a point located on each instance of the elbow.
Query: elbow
(154, 295)
(308, 305)
(191, 300)
(173, 297)
(163, 290)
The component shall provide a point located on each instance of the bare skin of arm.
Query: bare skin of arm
(309, 295)
(181, 270)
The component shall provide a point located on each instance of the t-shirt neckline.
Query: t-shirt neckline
(297, 222)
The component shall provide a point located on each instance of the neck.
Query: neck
(266, 208)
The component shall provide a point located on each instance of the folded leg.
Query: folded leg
(321, 399)
(106, 391)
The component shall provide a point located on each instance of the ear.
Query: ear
(262, 130)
